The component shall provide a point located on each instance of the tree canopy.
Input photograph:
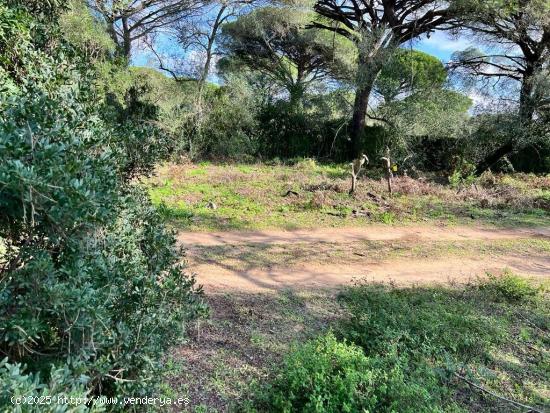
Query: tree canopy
(275, 41)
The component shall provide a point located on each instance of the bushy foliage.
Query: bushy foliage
(508, 287)
(323, 375)
(399, 351)
(61, 385)
(83, 31)
(224, 125)
(91, 290)
(410, 71)
(414, 339)
(408, 349)
(486, 131)
(288, 134)
(326, 375)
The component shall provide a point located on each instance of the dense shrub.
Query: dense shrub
(286, 133)
(223, 125)
(401, 350)
(61, 385)
(91, 290)
(326, 375)
(323, 375)
(508, 287)
(411, 341)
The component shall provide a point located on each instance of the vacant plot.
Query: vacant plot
(297, 271)
(207, 197)
(235, 354)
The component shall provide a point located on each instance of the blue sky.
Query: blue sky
(441, 45)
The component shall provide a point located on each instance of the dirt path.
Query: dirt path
(254, 276)
(371, 233)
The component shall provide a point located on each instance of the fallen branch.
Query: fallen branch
(290, 192)
(483, 389)
(336, 214)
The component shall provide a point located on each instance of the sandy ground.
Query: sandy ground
(227, 276)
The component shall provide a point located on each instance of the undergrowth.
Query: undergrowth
(307, 194)
(477, 348)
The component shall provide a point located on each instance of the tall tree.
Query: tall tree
(409, 71)
(131, 20)
(275, 42)
(521, 29)
(197, 37)
(200, 35)
(377, 28)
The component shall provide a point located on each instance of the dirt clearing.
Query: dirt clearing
(271, 260)
(374, 232)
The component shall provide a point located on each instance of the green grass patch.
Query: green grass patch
(420, 350)
(255, 196)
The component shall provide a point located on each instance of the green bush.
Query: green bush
(462, 176)
(225, 126)
(326, 375)
(90, 280)
(508, 287)
(401, 348)
(17, 388)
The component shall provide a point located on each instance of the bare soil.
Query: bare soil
(246, 275)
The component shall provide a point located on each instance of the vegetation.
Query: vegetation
(254, 196)
(91, 289)
(420, 349)
(123, 121)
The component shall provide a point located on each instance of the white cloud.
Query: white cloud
(442, 41)
(442, 45)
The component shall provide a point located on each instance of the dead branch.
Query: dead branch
(389, 174)
(356, 166)
(483, 389)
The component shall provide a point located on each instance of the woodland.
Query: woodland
(275, 205)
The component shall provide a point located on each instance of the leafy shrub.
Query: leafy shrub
(225, 126)
(16, 383)
(463, 175)
(90, 281)
(326, 375)
(287, 133)
(508, 287)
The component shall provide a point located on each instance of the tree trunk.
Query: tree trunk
(126, 39)
(526, 104)
(494, 157)
(113, 35)
(366, 76)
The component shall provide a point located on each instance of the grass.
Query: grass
(494, 333)
(206, 197)
(245, 337)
